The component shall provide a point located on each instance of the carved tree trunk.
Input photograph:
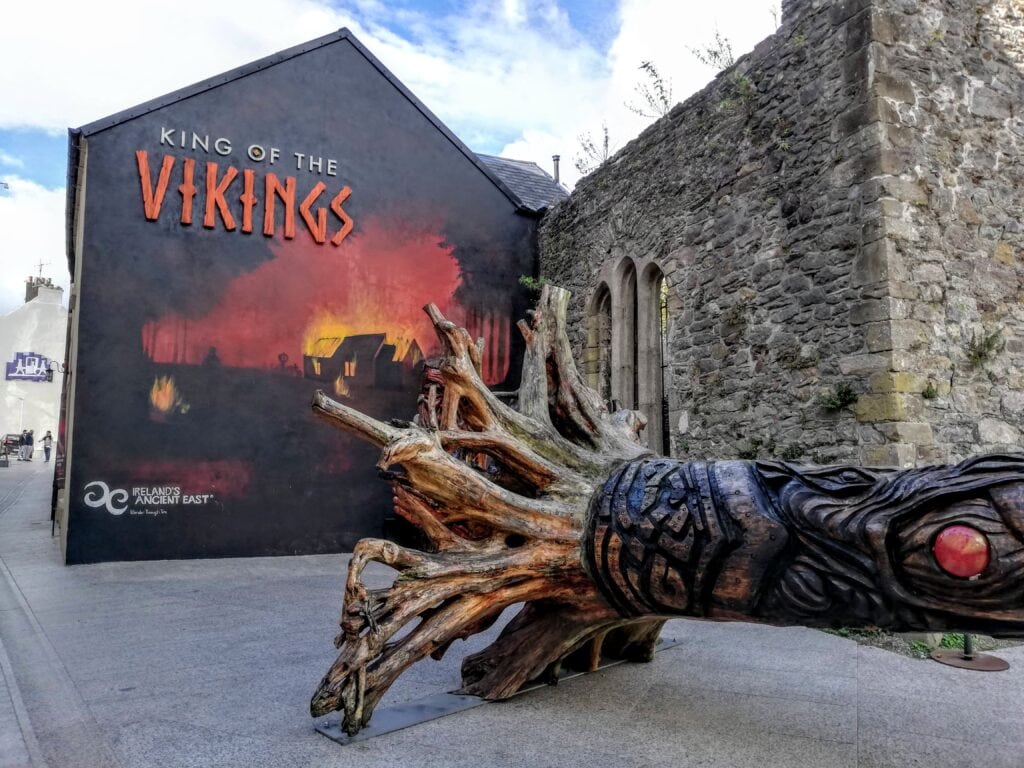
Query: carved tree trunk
(557, 506)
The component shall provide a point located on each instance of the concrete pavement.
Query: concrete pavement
(212, 663)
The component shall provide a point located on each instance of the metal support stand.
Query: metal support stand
(968, 659)
(428, 708)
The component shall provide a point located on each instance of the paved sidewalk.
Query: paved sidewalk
(212, 663)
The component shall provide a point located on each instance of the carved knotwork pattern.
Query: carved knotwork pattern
(657, 538)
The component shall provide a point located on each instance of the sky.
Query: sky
(519, 78)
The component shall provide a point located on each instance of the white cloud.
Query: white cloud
(104, 56)
(10, 160)
(494, 70)
(491, 64)
(31, 230)
(663, 32)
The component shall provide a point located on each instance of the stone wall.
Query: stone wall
(838, 213)
(950, 83)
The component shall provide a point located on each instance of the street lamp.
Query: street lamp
(54, 366)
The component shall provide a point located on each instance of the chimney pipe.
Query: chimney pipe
(555, 159)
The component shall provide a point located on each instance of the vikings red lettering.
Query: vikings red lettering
(318, 227)
(187, 190)
(248, 199)
(346, 220)
(152, 199)
(215, 205)
(287, 195)
(215, 196)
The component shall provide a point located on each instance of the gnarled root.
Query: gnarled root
(500, 495)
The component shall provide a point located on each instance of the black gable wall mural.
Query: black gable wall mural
(236, 246)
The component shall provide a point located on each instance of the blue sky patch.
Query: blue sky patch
(34, 154)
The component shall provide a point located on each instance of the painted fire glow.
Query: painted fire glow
(378, 284)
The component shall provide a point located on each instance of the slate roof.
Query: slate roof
(529, 182)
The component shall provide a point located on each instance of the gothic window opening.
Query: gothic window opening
(629, 323)
(652, 356)
(663, 318)
(598, 358)
(629, 378)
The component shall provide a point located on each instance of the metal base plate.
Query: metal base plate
(979, 662)
(391, 719)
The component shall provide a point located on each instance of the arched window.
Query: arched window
(652, 356)
(641, 305)
(628, 384)
(598, 359)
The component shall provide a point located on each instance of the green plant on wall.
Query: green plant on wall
(717, 54)
(984, 348)
(930, 391)
(757, 447)
(532, 283)
(837, 398)
(792, 452)
(655, 94)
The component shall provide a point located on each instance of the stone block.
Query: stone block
(901, 229)
(881, 111)
(874, 229)
(995, 431)
(1005, 253)
(967, 212)
(918, 433)
(849, 172)
(898, 89)
(901, 289)
(871, 311)
(888, 381)
(842, 10)
(908, 190)
(904, 137)
(858, 32)
(871, 264)
(878, 336)
(895, 334)
(899, 455)
(883, 28)
(861, 364)
(1013, 405)
(890, 406)
(929, 273)
(893, 163)
(988, 103)
(932, 454)
(853, 119)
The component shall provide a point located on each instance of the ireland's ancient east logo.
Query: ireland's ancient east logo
(114, 501)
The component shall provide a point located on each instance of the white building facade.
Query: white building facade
(32, 344)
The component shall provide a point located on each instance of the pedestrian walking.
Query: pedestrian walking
(23, 445)
(29, 441)
(47, 445)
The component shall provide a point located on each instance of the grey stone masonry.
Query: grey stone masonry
(838, 220)
(950, 87)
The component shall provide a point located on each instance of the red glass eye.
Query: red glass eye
(961, 551)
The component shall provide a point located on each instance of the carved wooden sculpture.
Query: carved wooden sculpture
(558, 507)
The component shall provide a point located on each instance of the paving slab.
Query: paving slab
(212, 663)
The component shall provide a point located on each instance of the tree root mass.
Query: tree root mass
(501, 496)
